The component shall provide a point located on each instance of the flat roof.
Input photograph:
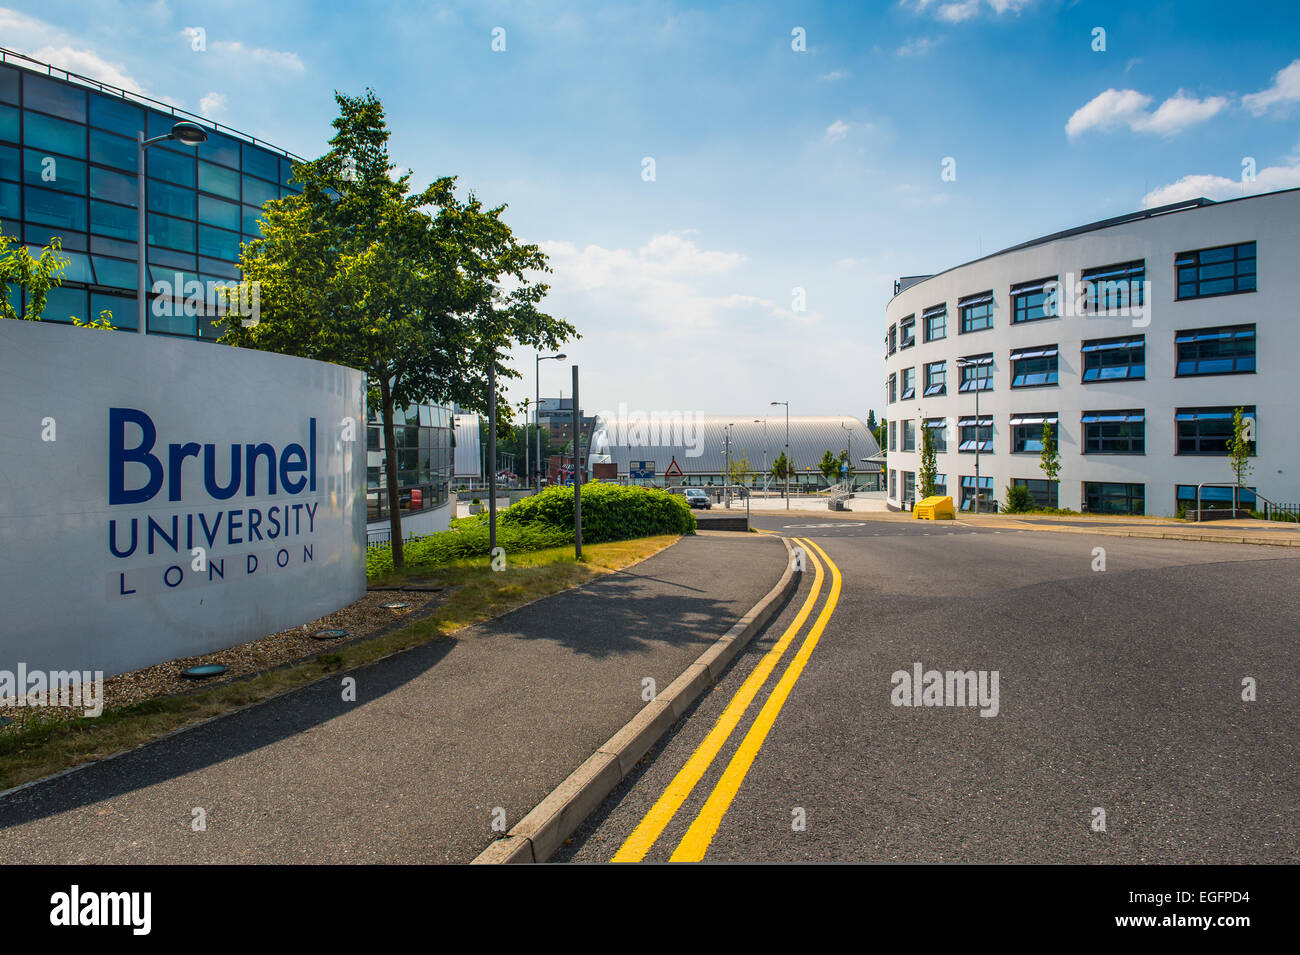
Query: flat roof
(1184, 206)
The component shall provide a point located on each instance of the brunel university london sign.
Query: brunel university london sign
(162, 498)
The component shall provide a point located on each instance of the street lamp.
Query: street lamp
(756, 420)
(850, 450)
(787, 451)
(965, 363)
(187, 134)
(726, 478)
(537, 408)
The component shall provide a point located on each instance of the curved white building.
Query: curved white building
(1136, 337)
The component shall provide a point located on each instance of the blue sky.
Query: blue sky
(775, 169)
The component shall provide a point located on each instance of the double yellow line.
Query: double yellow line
(701, 832)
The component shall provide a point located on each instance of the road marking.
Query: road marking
(833, 524)
(643, 837)
(697, 839)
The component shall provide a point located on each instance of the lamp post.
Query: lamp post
(964, 363)
(537, 408)
(787, 451)
(764, 456)
(850, 450)
(726, 478)
(188, 134)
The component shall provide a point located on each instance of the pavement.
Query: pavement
(444, 742)
(1120, 692)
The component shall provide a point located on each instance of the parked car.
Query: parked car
(695, 497)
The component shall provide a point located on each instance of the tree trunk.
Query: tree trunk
(390, 469)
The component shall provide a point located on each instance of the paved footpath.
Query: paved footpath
(441, 737)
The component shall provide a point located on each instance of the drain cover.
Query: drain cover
(329, 634)
(204, 672)
(396, 605)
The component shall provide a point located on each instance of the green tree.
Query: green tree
(882, 434)
(1050, 457)
(929, 471)
(871, 421)
(409, 287)
(739, 469)
(829, 466)
(1240, 448)
(781, 467)
(34, 275)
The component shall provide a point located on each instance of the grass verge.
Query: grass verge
(476, 593)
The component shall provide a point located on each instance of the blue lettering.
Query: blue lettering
(119, 456)
(287, 467)
(254, 452)
(273, 518)
(167, 576)
(211, 535)
(232, 526)
(218, 567)
(121, 585)
(210, 472)
(251, 565)
(306, 553)
(155, 526)
(311, 516)
(112, 539)
(176, 455)
(282, 553)
(254, 522)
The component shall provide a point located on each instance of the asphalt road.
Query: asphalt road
(1120, 690)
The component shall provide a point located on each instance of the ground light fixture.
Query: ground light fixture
(204, 672)
(187, 134)
(395, 605)
(328, 634)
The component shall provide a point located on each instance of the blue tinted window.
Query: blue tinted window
(218, 180)
(114, 186)
(115, 114)
(9, 163)
(9, 201)
(8, 85)
(219, 213)
(117, 222)
(173, 200)
(171, 233)
(123, 250)
(122, 310)
(286, 175)
(252, 221)
(173, 260)
(218, 243)
(63, 303)
(114, 151)
(54, 135)
(114, 272)
(51, 96)
(258, 162)
(54, 172)
(55, 208)
(257, 192)
(43, 235)
(177, 323)
(220, 149)
(223, 270)
(173, 167)
(9, 123)
(76, 265)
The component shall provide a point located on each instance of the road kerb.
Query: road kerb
(536, 837)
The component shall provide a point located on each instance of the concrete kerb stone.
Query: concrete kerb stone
(536, 837)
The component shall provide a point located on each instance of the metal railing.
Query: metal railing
(22, 60)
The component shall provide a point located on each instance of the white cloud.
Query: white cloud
(670, 281)
(834, 75)
(50, 44)
(1269, 179)
(1114, 108)
(917, 47)
(1285, 90)
(280, 59)
(836, 131)
(955, 11)
(1178, 112)
(212, 104)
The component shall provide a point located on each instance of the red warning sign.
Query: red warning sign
(674, 469)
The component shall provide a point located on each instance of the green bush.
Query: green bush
(462, 542)
(610, 512)
(1019, 499)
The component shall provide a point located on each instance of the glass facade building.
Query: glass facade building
(68, 166)
(68, 171)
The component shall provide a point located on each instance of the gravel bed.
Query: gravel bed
(362, 619)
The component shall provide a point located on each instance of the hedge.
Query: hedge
(610, 512)
(462, 542)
